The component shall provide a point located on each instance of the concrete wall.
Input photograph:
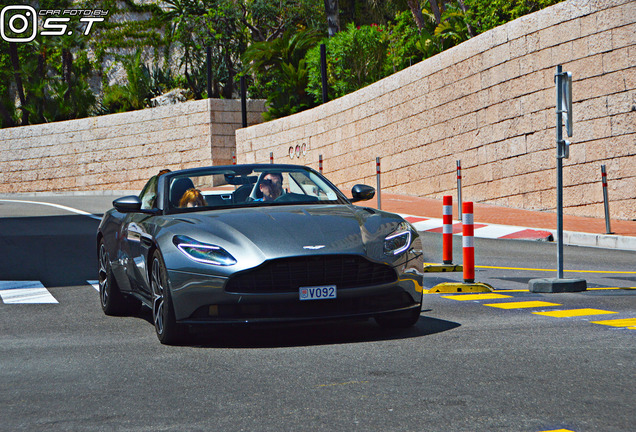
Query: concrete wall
(490, 103)
(120, 151)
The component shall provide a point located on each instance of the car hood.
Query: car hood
(293, 230)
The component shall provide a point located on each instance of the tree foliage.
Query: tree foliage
(357, 57)
(273, 43)
(485, 15)
(44, 81)
(280, 71)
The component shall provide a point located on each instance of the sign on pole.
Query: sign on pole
(563, 113)
(566, 102)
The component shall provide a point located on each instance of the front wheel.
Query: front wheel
(166, 327)
(402, 319)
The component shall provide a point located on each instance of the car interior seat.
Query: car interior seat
(178, 188)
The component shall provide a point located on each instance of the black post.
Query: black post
(244, 101)
(209, 70)
(323, 72)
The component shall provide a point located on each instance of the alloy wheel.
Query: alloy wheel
(158, 293)
(104, 282)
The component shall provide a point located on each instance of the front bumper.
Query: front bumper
(201, 299)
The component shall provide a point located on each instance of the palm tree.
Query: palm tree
(281, 61)
(332, 9)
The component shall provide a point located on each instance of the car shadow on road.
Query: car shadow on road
(298, 335)
(302, 334)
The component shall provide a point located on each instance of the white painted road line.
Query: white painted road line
(22, 292)
(62, 207)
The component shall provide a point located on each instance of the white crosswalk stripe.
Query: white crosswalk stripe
(30, 292)
(23, 292)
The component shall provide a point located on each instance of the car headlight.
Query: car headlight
(202, 252)
(398, 241)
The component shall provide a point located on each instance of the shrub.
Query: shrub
(356, 57)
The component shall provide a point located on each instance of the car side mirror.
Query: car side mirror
(128, 204)
(362, 192)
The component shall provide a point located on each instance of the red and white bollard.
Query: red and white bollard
(447, 231)
(271, 157)
(459, 189)
(468, 267)
(468, 242)
(233, 158)
(320, 164)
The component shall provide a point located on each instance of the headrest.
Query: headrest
(178, 188)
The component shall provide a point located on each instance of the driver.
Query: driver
(271, 186)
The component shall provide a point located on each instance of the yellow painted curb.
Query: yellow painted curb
(458, 287)
(442, 268)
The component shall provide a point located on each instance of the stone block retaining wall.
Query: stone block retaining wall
(120, 151)
(489, 102)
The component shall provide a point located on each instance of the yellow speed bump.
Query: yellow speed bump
(442, 268)
(458, 287)
(474, 297)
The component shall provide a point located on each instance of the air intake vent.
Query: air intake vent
(288, 274)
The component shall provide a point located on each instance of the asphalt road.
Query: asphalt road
(468, 365)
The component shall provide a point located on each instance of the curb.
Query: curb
(605, 241)
(510, 232)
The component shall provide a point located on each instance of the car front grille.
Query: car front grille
(286, 275)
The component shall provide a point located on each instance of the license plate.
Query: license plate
(317, 292)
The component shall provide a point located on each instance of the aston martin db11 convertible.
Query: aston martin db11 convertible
(254, 244)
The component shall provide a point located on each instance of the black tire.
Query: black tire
(166, 327)
(403, 319)
(113, 302)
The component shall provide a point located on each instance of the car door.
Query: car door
(137, 239)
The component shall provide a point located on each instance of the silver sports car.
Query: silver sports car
(256, 244)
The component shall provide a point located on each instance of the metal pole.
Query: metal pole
(377, 174)
(244, 101)
(459, 188)
(608, 229)
(559, 170)
(208, 58)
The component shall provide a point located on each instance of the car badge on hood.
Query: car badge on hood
(316, 247)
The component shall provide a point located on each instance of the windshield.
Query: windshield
(248, 186)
